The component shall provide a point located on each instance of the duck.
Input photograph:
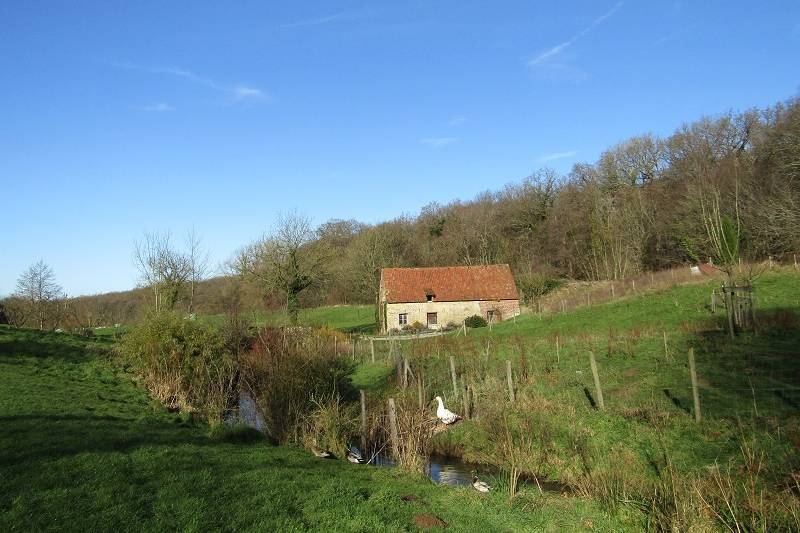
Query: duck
(354, 455)
(445, 415)
(319, 452)
(480, 486)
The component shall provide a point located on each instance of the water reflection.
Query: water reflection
(442, 470)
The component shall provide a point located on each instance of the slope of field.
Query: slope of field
(748, 388)
(82, 449)
(345, 318)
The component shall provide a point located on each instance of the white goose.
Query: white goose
(445, 415)
(480, 486)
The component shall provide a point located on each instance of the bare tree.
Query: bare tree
(162, 268)
(37, 287)
(198, 264)
(288, 260)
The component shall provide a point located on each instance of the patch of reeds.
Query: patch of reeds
(288, 372)
(330, 424)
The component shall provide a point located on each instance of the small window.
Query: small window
(430, 297)
(492, 315)
(402, 319)
(432, 319)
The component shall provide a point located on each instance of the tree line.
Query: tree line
(647, 203)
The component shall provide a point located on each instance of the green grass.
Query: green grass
(345, 318)
(749, 388)
(82, 448)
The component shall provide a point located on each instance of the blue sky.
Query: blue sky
(123, 117)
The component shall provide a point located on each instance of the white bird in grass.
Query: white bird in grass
(445, 415)
(480, 486)
(354, 455)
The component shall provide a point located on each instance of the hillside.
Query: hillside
(646, 434)
(83, 448)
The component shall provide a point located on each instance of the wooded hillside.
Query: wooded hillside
(639, 207)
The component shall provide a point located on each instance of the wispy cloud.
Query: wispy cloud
(554, 51)
(457, 120)
(244, 93)
(315, 21)
(327, 19)
(558, 155)
(235, 93)
(159, 107)
(438, 142)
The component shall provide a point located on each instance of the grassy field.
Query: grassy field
(345, 318)
(749, 388)
(82, 448)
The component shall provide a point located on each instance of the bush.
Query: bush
(182, 363)
(476, 321)
(534, 286)
(330, 424)
(285, 370)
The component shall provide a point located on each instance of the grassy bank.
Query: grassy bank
(749, 391)
(82, 448)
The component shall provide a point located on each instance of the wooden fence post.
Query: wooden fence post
(695, 394)
(729, 309)
(794, 257)
(588, 302)
(363, 421)
(613, 296)
(633, 285)
(510, 380)
(406, 370)
(563, 306)
(465, 395)
(372, 349)
(420, 390)
(770, 262)
(453, 376)
(398, 362)
(472, 396)
(393, 433)
(713, 301)
(598, 390)
(666, 350)
(558, 350)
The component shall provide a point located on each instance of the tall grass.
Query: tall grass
(288, 372)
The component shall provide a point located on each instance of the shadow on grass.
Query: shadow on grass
(755, 372)
(33, 438)
(42, 344)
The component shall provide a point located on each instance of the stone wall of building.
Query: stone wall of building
(446, 312)
(505, 308)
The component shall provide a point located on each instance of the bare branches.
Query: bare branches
(288, 260)
(38, 289)
(162, 268)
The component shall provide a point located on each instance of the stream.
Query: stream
(440, 469)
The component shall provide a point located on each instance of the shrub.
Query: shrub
(330, 424)
(476, 321)
(285, 370)
(534, 286)
(183, 364)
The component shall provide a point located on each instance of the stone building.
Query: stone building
(437, 296)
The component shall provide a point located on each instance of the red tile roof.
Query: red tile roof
(449, 284)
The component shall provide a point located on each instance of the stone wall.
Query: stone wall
(446, 312)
